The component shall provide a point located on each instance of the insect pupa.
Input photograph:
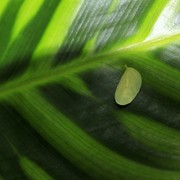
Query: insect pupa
(128, 86)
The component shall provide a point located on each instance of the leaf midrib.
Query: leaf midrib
(80, 65)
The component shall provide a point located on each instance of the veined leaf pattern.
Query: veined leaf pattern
(59, 66)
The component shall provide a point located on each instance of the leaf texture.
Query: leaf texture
(60, 64)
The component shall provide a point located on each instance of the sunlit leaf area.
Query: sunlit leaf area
(60, 64)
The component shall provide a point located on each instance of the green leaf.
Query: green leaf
(60, 64)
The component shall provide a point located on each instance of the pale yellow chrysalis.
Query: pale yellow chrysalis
(128, 86)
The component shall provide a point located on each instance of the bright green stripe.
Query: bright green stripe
(113, 6)
(32, 170)
(58, 27)
(146, 45)
(155, 135)
(3, 4)
(90, 45)
(78, 147)
(148, 22)
(27, 12)
(165, 23)
(145, 131)
(88, 63)
(25, 44)
(6, 25)
(76, 84)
